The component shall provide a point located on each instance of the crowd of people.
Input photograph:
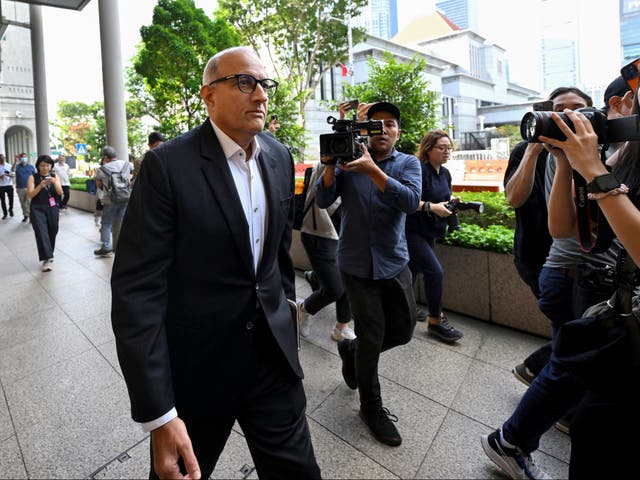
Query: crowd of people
(369, 230)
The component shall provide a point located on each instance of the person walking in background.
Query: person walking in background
(154, 141)
(200, 284)
(23, 171)
(113, 209)
(274, 126)
(377, 190)
(428, 223)
(320, 241)
(6, 186)
(44, 190)
(61, 169)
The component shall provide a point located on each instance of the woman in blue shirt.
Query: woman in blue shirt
(428, 223)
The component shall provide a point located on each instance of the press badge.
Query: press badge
(52, 202)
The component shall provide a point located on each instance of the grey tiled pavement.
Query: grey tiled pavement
(64, 410)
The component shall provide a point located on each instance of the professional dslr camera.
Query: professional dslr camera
(344, 144)
(538, 123)
(455, 206)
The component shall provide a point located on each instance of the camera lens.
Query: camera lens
(340, 145)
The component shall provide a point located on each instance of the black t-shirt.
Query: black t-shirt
(532, 239)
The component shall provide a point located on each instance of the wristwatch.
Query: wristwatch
(603, 183)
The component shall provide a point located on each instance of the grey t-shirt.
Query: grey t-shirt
(566, 252)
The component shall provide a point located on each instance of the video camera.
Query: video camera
(455, 206)
(538, 123)
(344, 144)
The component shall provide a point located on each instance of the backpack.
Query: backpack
(119, 188)
(299, 201)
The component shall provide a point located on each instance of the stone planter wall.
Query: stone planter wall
(82, 200)
(483, 285)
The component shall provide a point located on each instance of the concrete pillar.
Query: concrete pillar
(113, 78)
(39, 80)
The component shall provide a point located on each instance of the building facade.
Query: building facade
(17, 108)
(630, 30)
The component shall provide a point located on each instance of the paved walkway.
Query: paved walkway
(64, 410)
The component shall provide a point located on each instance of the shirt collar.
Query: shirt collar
(231, 148)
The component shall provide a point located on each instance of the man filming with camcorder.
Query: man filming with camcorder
(378, 186)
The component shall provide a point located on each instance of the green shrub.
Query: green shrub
(79, 183)
(494, 238)
(497, 210)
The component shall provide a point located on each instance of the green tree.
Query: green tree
(403, 84)
(80, 122)
(512, 132)
(174, 50)
(285, 105)
(301, 39)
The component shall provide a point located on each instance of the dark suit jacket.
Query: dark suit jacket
(183, 282)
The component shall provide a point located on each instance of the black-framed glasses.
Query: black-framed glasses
(444, 148)
(247, 83)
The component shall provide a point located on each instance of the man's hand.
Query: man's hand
(440, 210)
(363, 164)
(171, 442)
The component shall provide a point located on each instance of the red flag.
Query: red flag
(345, 70)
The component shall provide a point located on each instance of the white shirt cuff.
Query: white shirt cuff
(160, 421)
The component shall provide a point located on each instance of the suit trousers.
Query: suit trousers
(384, 315)
(270, 411)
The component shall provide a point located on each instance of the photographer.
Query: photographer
(378, 190)
(606, 415)
(428, 223)
(44, 190)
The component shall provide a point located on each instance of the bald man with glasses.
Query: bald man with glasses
(200, 285)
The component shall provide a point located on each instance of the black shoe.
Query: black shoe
(522, 373)
(11, 213)
(102, 252)
(381, 424)
(312, 280)
(4, 216)
(25, 219)
(421, 315)
(444, 331)
(348, 363)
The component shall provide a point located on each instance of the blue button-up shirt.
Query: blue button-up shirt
(372, 240)
(23, 172)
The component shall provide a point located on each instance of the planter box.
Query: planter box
(82, 200)
(479, 284)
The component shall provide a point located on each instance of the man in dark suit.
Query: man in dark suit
(200, 286)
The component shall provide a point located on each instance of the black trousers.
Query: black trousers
(322, 256)
(8, 191)
(271, 413)
(44, 220)
(65, 195)
(384, 314)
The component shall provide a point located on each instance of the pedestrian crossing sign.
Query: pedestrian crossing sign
(81, 148)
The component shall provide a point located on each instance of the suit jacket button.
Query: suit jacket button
(249, 325)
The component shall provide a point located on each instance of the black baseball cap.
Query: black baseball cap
(618, 88)
(384, 107)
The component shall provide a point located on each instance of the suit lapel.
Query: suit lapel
(216, 171)
(268, 169)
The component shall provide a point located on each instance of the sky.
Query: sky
(72, 47)
(72, 41)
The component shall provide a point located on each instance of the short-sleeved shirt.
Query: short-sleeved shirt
(23, 172)
(6, 180)
(62, 171)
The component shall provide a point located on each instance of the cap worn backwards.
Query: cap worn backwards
(618, 88)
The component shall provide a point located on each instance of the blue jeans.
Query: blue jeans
(112, 215)
(422, 259)
(553, 391)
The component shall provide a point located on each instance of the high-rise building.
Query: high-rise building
(630, 30)
(559, 43)
(379, 18)
(464, 13)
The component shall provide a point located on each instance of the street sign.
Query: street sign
(81, 148)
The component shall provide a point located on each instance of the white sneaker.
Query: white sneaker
(346, 333)
(46, 265)
(304, 320)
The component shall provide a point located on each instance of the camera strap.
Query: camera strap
(594, 232)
